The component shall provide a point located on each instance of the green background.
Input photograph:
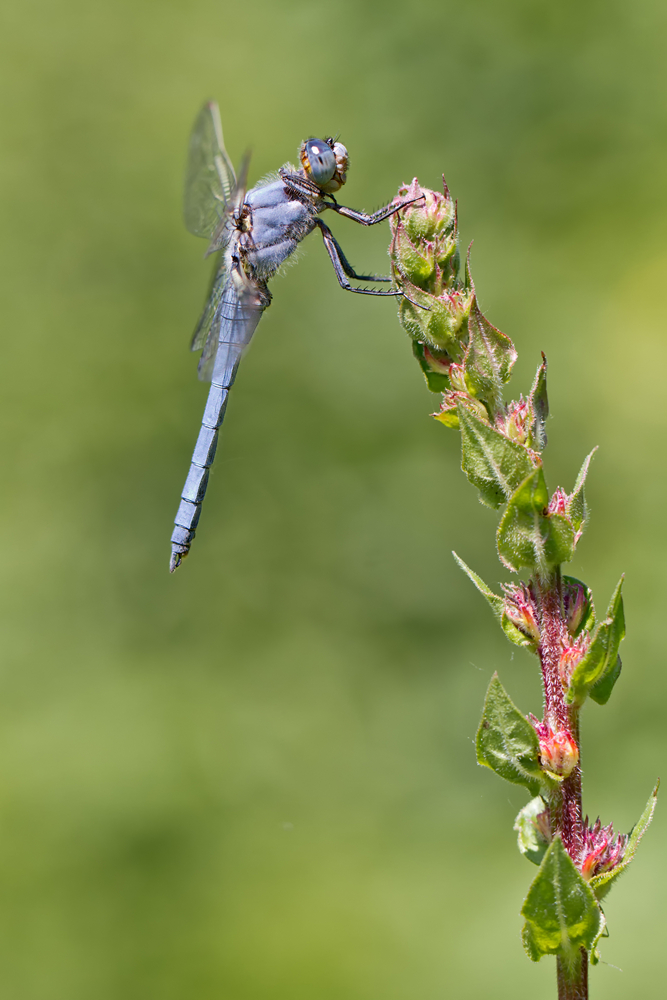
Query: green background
(255, 779)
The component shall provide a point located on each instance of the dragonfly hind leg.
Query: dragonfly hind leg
(344, 269)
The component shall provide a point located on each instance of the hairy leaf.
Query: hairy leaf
(506, 741)
(576, 505)
(562, 915)
(601, 663)
(491, 462)
(532, 842)
(539, 407)
(497, 604)
(530, 537)
(488, 359)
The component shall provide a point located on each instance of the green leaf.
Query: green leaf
(601, 692)
(600, 667)
(532, 842)
(495, 600)
(601, 884)
(435, 380)
(497, 604)
(539, 405)
(594, 954)
(506, 741)
(527, 536)
(561, 912)
(488, 360)
(491, 462)
(576, 506)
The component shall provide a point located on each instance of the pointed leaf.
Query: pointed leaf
(506, 741)
(601, 884)
(532, 842)
(495, 600)
(539, 405)
(601, 692)
(600, 662)
(576, 505)
(488, 359)
(562, 915)
(491, 462)
(497, 603)
(527, 535)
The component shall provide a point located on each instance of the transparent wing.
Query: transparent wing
(206, 320)
(227, 324)
(210, 181)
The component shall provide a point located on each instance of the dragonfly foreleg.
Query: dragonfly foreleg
(344, 270)
(370, 220)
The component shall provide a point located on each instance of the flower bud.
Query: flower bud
(521, 611)
(601, 851)
(439, 320)
(559, 754)
(457, 378)
(448, 414)
(425, 264)
(558, 502)
(515, 425)
(570, 657)
(431, 217)
(416, 263)
(576, 604)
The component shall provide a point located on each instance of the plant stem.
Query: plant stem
(573, 981)
(565, 806)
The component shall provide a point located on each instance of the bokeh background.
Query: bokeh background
(256, 778)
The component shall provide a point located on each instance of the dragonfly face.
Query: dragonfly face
(255, 233)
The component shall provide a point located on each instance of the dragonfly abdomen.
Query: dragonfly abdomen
(189, 509)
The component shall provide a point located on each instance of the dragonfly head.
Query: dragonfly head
(324, 162)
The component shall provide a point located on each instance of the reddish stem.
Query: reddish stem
(573, 982)
(565, 808)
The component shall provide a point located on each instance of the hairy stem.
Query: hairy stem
(573, 980)
(565, 807)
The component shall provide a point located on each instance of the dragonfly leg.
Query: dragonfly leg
(344, 270)
(370, 220)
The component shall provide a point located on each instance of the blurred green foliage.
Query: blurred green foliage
(256, 778)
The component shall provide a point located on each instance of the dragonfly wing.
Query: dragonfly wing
(205, 322)
(210, 181)
(235, 307)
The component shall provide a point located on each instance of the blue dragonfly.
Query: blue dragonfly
(252, 233)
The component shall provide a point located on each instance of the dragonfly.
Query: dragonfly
(252, 233)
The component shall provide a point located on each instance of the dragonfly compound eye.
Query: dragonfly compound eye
(318, 161)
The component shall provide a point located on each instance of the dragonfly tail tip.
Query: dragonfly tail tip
(176, 559)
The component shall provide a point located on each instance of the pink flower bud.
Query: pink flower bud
(601, 851)
(516, 421)
(521, 611)
(457, 377)
(558, 502)
(575, 604)
(559, 754)
(570, 657)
